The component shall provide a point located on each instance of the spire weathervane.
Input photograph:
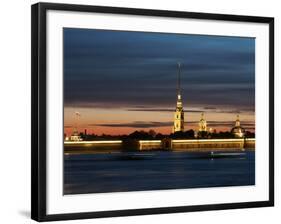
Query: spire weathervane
(179, 79)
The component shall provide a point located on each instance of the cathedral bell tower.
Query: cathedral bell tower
(179, 113)
(202, 124)
(238, 131)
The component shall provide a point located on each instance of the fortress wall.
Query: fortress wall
(250, 144)
(198, 144)
(93, 146)
(165, 144)
(214, 144)
(149, 145)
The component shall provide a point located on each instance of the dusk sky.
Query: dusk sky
(123, 81)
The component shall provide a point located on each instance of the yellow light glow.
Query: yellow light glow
(149, 141)
(211, 140)
(95, 142)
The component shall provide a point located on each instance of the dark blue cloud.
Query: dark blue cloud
(130, 69)
(154, 124)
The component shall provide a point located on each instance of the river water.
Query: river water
(121, 172)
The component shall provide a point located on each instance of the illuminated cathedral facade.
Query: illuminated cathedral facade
(238, 131)
(202, 124)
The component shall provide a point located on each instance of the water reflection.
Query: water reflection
(119, 172)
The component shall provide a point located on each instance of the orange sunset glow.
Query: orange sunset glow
(114, 121)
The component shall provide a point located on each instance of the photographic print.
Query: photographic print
(141, 111)
(157, 111)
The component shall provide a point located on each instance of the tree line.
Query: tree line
(152, 135)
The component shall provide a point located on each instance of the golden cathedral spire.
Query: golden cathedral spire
(179, 113)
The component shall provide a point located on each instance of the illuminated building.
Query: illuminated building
(202, 124)
(179, 113)
(238, 131)
(75, 137)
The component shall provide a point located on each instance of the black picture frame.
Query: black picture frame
(39, 122)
